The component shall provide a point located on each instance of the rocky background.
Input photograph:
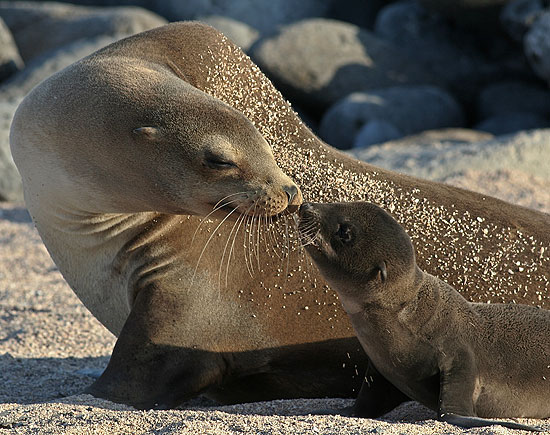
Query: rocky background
(359, 72)
(450, 90)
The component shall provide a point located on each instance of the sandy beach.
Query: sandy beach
(48, 339)
(415, 87)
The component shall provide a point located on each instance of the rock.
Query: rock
(40, 27)
(409, 108)
(265, 16)
(359, 12)
(511, 122)
(10, 60)
(241, 34)
(518, 16)
(513, 96)
(319, 61)
(537, 46)
(44, 66)
(311, 123)
(451, 53)
(11, 188)
(480, 14)
(441, 159)
(376, 131)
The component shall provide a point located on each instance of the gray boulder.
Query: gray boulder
(265, 16)
(13, 91)
(319, 61)
(40, 27)
(525, 151)
(410, 109)
(376, 131)
(240, 33)
(511, 122)
(10, 60)
(513, 96)
(44, 66)
(518, 16)
(452, 54)
(10, 181)
(537, 46)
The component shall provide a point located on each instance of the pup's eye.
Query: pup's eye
(344, 233)
(219, 163)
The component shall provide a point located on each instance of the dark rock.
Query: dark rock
(454, 55)
(359, 12)
(240, 33)
(312, 124)
(513, 96)
(409, 108)
(316, 62)
(376, 131)
(518, 16)
(265, 16)
(511, 122)
(10, 61)
(40, 27)
(537, 46)
(480, 14)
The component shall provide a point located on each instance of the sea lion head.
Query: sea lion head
(147, 141)
(212, 156)
(360, 250)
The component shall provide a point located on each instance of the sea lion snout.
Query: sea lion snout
(294, 196)
(305, 208)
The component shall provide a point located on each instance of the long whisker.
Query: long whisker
(287, 246)
(251, 234)
(309, 238)
(266, 233)
(272, 236)
(246, 230)
(208, 241)
(240, 220)
(225, 250)
(214, 210)
(258, 241)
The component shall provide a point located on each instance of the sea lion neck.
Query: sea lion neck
(422, 307)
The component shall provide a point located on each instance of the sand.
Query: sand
(47, 337)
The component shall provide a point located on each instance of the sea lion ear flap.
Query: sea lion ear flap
(150, 133)
(382, 272)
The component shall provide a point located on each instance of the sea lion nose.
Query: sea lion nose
(305, 208)
(291, 192)
(294, 198)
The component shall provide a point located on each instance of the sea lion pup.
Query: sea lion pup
(465, 360)
(113, 148)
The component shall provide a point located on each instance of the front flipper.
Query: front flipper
(464, 421)
(157, 361)
(377, 396)
(457, 385)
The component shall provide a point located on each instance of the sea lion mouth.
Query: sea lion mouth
(233, 212)
(309, 227)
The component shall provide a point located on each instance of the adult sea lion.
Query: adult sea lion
(465, 360)
(102, 146)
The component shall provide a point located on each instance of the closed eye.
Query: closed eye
(216, 162)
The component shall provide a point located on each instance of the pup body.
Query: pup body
(468, 361)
